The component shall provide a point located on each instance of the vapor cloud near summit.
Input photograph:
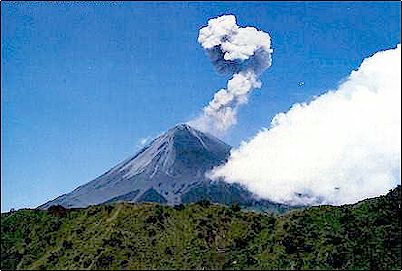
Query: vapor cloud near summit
(342, 147)
(244, 53)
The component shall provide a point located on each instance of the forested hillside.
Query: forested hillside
(366, 235)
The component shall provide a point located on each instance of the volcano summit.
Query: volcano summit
(170, 170)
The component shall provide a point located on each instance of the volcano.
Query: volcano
(170, 170)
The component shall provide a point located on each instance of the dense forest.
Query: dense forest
(365, 235)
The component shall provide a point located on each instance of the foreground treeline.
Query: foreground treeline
(366, 235)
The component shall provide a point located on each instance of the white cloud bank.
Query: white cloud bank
(244, 52)
(342, 147)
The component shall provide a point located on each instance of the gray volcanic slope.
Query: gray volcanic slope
(163, 171)
(170, 170)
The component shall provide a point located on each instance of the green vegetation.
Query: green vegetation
(366, 235)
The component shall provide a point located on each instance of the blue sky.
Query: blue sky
(82, 83)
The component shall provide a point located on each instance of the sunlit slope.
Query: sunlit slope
(203, 235)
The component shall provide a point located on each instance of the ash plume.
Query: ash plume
(244, 53)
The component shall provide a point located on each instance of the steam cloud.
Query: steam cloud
(242, 52)
(342, 147)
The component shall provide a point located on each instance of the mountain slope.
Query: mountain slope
(170, 166)
(170, 170)
(362, 236)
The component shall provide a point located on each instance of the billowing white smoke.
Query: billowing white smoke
(243, 52)
(342, 147)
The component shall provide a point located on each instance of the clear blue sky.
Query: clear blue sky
(82, 83)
